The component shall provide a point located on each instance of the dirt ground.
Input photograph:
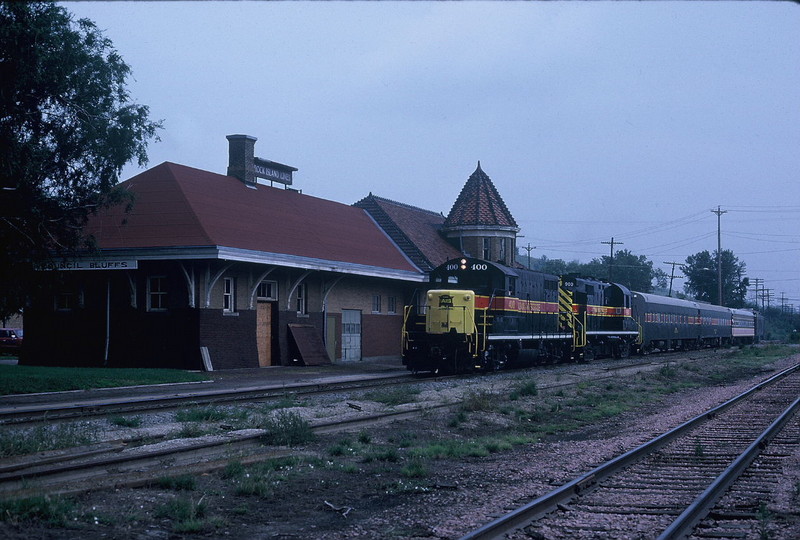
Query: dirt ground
(374, 484)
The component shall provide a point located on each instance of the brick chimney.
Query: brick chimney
(241, 157)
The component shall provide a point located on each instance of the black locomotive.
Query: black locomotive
(480, 315)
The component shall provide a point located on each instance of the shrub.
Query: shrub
(287, 428)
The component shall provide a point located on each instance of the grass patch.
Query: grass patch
(54, 511)
(33, 379)
(42, 438)
(260, 479)
(393, 396)
(209, 414)
(124, 421)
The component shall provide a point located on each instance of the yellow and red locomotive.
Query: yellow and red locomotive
(480, 315)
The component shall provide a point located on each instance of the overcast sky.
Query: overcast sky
(594, 120)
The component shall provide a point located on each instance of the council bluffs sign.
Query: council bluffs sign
(87, 264)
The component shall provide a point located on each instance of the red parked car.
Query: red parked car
(10, 340)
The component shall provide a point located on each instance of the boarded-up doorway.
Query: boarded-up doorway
(351, 335)
(264, 333)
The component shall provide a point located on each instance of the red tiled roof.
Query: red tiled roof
(414, 230)
(479, 203)
(179, 206)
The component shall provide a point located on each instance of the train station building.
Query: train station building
(212, 271)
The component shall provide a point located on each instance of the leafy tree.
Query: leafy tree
(634, 271)
(701, 278)
(67, 127)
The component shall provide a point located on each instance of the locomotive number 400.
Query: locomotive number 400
(473, 266)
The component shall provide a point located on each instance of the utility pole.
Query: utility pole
(672, 276)
(757, 282)
(719, 213)
(528, 249)
(611, 260)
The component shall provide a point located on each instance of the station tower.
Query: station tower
(479, 224)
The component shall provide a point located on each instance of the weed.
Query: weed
(287, 428)
(480, 400)
(342, 448)
(699, 449)
(233, 469)
(415, 469)
(186, 513)
(764, 518)
(386, 454)
(123, 421)
(190, 431)
(525, 388)
(364, 437)
(404, 439)
(668, 371)
(184, 482)
(459, 418)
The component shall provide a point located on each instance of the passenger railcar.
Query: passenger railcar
(480, 315)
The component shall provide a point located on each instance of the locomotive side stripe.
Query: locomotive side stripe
(505, 303)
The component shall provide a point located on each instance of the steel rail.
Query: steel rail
(548, 502)
(683, 526)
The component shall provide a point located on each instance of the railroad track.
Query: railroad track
(62, 407)
(667, 486)
(113, 464)
(82, 408)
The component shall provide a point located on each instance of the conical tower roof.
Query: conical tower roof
(479, 204)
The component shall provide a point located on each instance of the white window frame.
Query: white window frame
(229, 295)
(301, 299)
(160, 293)
(376, 303)
(267, 290)
(391, 304)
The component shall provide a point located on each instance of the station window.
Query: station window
(65, 301)
(391, 304)
(157, 293)
(267, 290)
(229, 295)
(302, 299)
(376, 303)
(487, 248)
